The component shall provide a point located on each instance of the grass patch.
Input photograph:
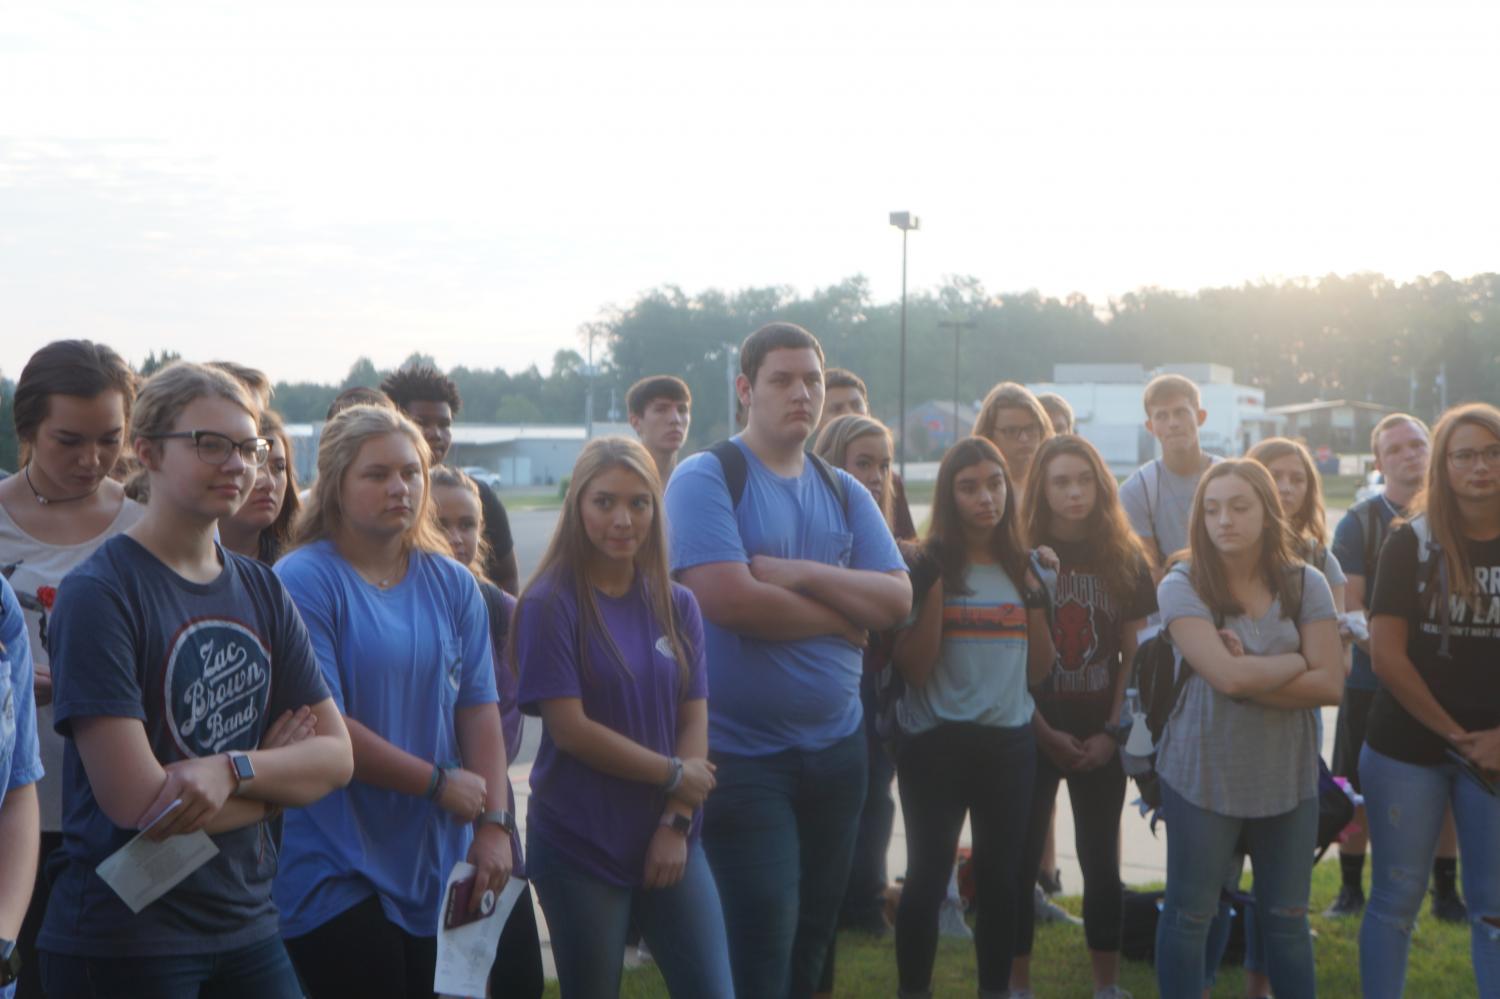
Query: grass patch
(1439, 964)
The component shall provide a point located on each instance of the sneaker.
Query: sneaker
(1351, 902)
(1048, 911)
(1051, 883)
(1448, 907)
(1112, 992)
(951, 921)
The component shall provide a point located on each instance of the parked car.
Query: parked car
(480, 474)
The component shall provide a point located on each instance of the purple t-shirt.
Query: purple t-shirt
(600, 824)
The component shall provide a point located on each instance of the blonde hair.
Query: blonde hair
(1278, 547)
(343, 436)
(167, 393)
(1310, 521)
(833, 443)
(453, 478)
(1437, 500)
(570, 551)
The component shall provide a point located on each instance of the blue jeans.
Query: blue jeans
(259, 971)
(863, 899)
(779, 832)
(589, 919)
(1405, 804)
(1200, 848)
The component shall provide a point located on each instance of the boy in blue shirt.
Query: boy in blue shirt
(790, 574)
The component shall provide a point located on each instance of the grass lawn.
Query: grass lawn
(1439, 961)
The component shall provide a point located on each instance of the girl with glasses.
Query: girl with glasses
(188, 692)
(1014, 421)
(1433, 738)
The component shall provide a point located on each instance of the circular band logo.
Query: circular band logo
(217, 687)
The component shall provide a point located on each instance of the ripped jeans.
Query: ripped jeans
(1405, 803)
(1200, 846)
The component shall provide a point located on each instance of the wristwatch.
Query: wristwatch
(500, 818)
(239, 764)
(10, 962)
(677, 822)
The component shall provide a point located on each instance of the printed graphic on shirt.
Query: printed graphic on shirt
(1085, 610)
(218, 684)
(1467, 621)
(965, 622)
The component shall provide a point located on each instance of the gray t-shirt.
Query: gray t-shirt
(1236, 757)
(980, 675)
(1158, 502)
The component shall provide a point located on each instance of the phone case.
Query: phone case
(456, 913)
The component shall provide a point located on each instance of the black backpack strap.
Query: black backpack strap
(736, 469)
(830, 479)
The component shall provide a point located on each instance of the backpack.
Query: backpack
(1161, 556)
(1432, 579)
(890, 685)
(737, 470)
(1161, 675)
(1372, 531)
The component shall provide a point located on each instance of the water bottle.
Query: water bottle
(1135, 755)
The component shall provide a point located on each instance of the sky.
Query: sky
(296, 184)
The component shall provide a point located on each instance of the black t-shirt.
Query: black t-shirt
(1077, 695)
(1467, 685)
(496, 529)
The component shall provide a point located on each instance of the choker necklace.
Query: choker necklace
(44, 501)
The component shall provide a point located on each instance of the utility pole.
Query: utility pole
(906, 222)
(957, 326)
(731, 354)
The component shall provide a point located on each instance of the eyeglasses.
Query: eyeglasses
(215, 448)
(1029, 432)
(1464, 458)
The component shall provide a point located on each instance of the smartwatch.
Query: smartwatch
(500, 818)
(10, 962)
(240, 764)
(677, 822)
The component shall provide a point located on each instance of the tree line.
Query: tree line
(1362, 336)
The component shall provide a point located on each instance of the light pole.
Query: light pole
(906, 222)
(731, 351)
(957, 326)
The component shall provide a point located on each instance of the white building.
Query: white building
(1109, 412)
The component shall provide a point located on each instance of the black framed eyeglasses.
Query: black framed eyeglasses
(215, 448)
(1463, 459)
(1030, 432)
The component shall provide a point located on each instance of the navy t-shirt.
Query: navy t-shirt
(205, 668)
(1349, 549)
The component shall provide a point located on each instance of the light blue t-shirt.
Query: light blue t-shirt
(401, 662)
(980, 675)
(20, 755)
(771, 696)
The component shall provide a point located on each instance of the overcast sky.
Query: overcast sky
(295, 184)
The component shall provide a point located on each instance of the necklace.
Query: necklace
(44, 501)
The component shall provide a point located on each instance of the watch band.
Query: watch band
(677, 822)
(10, 962)
(500, 818)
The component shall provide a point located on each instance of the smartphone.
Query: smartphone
(1474, 773)
(456, 913)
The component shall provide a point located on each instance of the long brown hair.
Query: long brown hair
(343, 436)
(1010, 395)
(945, 542)
(1278, 546)
(1309, 521)
(1115, 553)
(278, 537)
(1439, 503)
(570, 551)
(453, 478)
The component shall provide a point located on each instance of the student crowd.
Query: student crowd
(732, 657)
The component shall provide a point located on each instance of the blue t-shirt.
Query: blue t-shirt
(20, 754)
(603, 824)
(771, 696)
(205, 668)
(401, 662)
(1349, 549)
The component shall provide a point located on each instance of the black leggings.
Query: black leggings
(1098, 797)
(361, 953)
(954, 770)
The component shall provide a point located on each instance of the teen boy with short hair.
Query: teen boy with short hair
(661, 410)
(791, 575)
(1158, 496)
